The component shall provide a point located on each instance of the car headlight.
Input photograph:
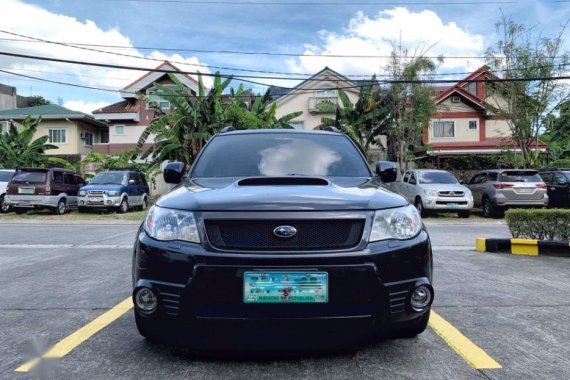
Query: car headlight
(469, 194)
(82, 193)
(166, 224)
(396, 223)
(113, 193)
(431, 193)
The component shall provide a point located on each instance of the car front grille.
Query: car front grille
(451, 193)
(96, 192)
(258, 235)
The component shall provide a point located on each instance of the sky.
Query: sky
(300, 35)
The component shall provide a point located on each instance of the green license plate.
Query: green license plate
(285, 287)
(452, 205)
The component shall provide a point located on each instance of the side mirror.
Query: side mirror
(461, 182)
(173, 172)
(131, 181)
(387, 171)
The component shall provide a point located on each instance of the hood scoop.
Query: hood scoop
(284, 181)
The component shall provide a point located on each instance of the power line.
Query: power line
(248, 78)
(238, 52)
(315, 3)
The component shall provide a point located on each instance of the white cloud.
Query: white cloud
(83, 106)
(43, 24)
(374, 37)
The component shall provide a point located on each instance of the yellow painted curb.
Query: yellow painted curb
(528, 247)
(480, 245)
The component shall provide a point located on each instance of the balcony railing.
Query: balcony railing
(323, 104)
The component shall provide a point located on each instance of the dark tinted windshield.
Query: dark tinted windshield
(5, 176)
(437, 177)
(519, 176)
(108, 179)
(30, 177)
(272, 154)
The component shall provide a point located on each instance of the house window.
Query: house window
(443, 129)
(57, 136)
(297, 124)
(472, 124)
(472, 88)
(326, 93)
(162, 103)
(119, 130)
(88, 138)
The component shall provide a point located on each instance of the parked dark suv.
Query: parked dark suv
(558, 186)
(118, 190)
(35, 188)
(281, 239)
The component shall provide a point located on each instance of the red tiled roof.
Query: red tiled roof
(126, 106)
(488, 143)
(159, 67)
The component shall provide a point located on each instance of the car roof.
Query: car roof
(279, 131)
(46, 169)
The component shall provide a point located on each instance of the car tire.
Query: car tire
(420, 207)
(411, 329)
(464, 214)
(144, 204)
(61, 208)
(4, 207)
(487, 207)
(124, 206)
(20, 211)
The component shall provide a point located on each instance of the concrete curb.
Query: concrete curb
(527, 247)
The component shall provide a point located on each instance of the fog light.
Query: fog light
(421, 298)
(146, 300)
(81, 202)
(109, 202)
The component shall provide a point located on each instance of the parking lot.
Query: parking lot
(58, 277)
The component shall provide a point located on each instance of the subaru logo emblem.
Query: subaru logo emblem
(285, 231)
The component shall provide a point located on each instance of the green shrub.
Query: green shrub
(559, 164)
(551, 224)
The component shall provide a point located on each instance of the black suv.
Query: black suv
(281, 239)
(558, 186)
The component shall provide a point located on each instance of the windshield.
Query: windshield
(272, 154)
(30, 177)
(520, 176)
(5, 176)
(437, 177)
(108, 179)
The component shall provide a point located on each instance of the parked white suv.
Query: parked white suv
(436, 190)
(5, 177)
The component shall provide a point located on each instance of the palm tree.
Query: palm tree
(365, 120)
(19, 149)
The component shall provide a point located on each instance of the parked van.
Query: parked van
(37, 188)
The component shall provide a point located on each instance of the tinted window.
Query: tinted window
(520, 176)
(559, 179)
(406, 177)
(479, 178)
(493, 176)
(546, 177)
(5, 176)
(271, 154)
(107, 178)
(69, 179)
(412, 179)
(437, 177)
(29, 176)
(57, 177)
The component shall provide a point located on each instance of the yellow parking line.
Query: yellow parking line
(65, 346)
(469, 351)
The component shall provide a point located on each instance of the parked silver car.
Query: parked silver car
(498, 189)
(5, 177)
(436, 190)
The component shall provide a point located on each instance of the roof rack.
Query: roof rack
(331, 128)
(227, 128)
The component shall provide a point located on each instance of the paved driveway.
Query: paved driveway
(57, 278)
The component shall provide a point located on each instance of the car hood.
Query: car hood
(444, 187)
(230, 194)
(102, 187)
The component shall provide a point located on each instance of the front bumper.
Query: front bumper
(447, 203)
(32, 201)
(198, 293)
(99, 201)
